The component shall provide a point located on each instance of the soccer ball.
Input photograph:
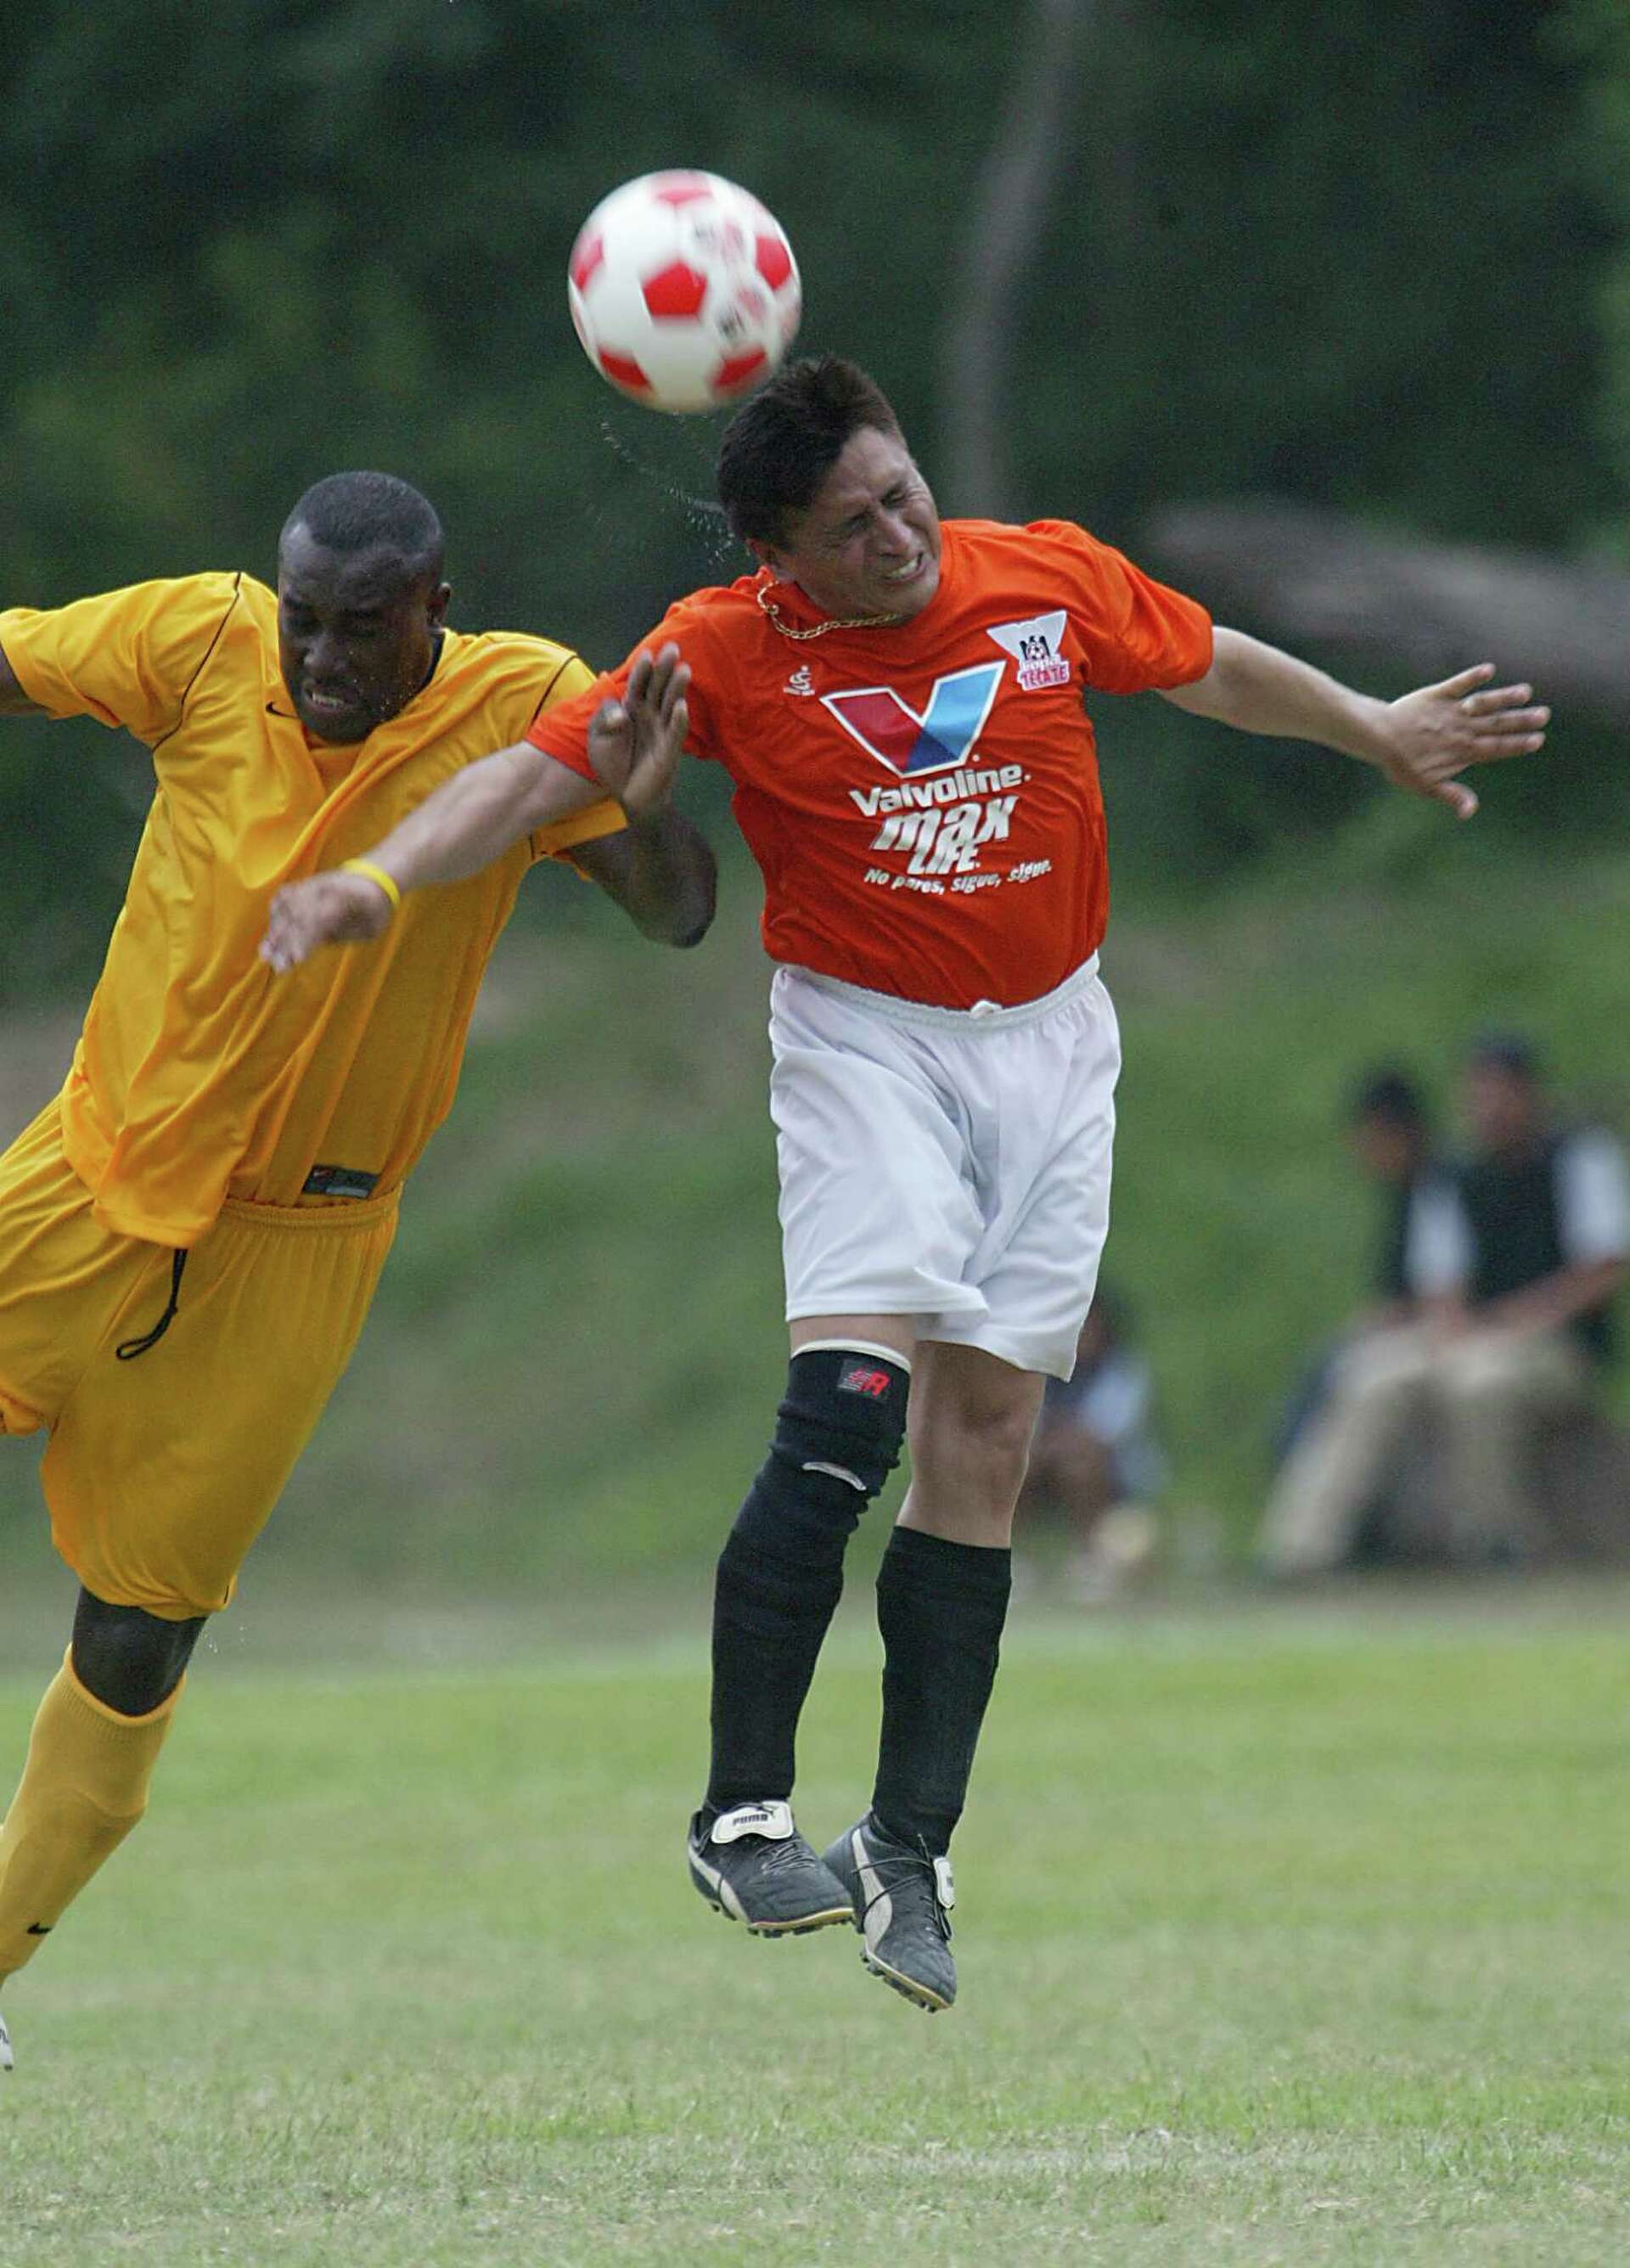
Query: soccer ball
(684, 290)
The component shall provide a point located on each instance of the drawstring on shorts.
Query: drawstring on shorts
(131, 1348)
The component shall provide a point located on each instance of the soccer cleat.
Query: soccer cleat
(901, 1901)
(6, 2056)
(754, 1866)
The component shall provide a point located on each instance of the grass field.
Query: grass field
(1285, 1938)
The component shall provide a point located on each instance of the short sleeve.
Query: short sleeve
(1593, 1200)
(1137, 635)
(570, 681)
(1115, 1404)
(1437, 1243)
(562, 730)
(125, 658)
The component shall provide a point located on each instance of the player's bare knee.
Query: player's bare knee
(131, 1661)
(989, 1437)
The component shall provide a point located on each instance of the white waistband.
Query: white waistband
(983, 1016)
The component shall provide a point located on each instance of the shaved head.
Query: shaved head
(350, 513)
(360, 602)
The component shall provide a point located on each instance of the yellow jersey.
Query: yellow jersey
(199, 1074)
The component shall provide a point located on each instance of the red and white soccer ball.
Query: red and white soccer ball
(684, 290)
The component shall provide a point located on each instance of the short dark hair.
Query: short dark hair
(1392, 1096)
(781, 445)
(1511, 1052)
(364, 511)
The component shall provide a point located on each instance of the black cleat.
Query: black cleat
(754, 1865)
(901, 1900)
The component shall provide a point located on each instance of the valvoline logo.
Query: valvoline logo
(890, 730)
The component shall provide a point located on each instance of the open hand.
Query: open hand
(635, 744)
(330, 908)
(1431, 735)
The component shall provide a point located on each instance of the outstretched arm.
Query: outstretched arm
(1422, 742)
(635, 744)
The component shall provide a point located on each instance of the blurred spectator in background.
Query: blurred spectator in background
(1520, 1255)
(1390, 1132)
(1094, 1457)
(1515, 1254)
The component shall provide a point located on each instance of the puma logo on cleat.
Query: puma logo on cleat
(773, 1821)
(40, 1928)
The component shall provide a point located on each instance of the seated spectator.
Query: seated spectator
(1094, 1457)
(1516, 1255)
(1390, 1133)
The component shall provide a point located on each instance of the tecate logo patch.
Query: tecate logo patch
(1034, 645)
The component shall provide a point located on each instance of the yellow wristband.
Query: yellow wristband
(387, 882)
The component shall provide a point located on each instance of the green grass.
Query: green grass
(1283, 1941)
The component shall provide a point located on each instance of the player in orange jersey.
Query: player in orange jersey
(898, 701)
(190, 1232)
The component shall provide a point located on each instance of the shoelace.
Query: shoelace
(782, 1852)
(896, 1868)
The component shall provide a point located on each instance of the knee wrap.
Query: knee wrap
(844, 1415)
(129, 1659)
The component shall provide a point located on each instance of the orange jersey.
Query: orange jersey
(922, 800)
(200, 1075)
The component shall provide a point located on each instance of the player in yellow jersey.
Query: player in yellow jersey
(190, 1232)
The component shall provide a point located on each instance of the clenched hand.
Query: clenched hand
(330, 908)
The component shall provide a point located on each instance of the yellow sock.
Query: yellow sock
(82, 1789)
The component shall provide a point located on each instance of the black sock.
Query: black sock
(941, 1607)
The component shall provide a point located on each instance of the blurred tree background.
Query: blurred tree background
(1376, 259)
(1373, 262)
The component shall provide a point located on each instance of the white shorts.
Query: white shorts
(948, 1165)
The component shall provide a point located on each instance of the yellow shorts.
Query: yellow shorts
(162, 1469)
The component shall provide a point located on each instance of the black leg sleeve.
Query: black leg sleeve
(941, 1609)
(781, 1573)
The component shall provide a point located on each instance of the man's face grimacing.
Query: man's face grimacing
(869, 543)
(355, 633)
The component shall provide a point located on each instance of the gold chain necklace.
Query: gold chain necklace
(820, 629)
